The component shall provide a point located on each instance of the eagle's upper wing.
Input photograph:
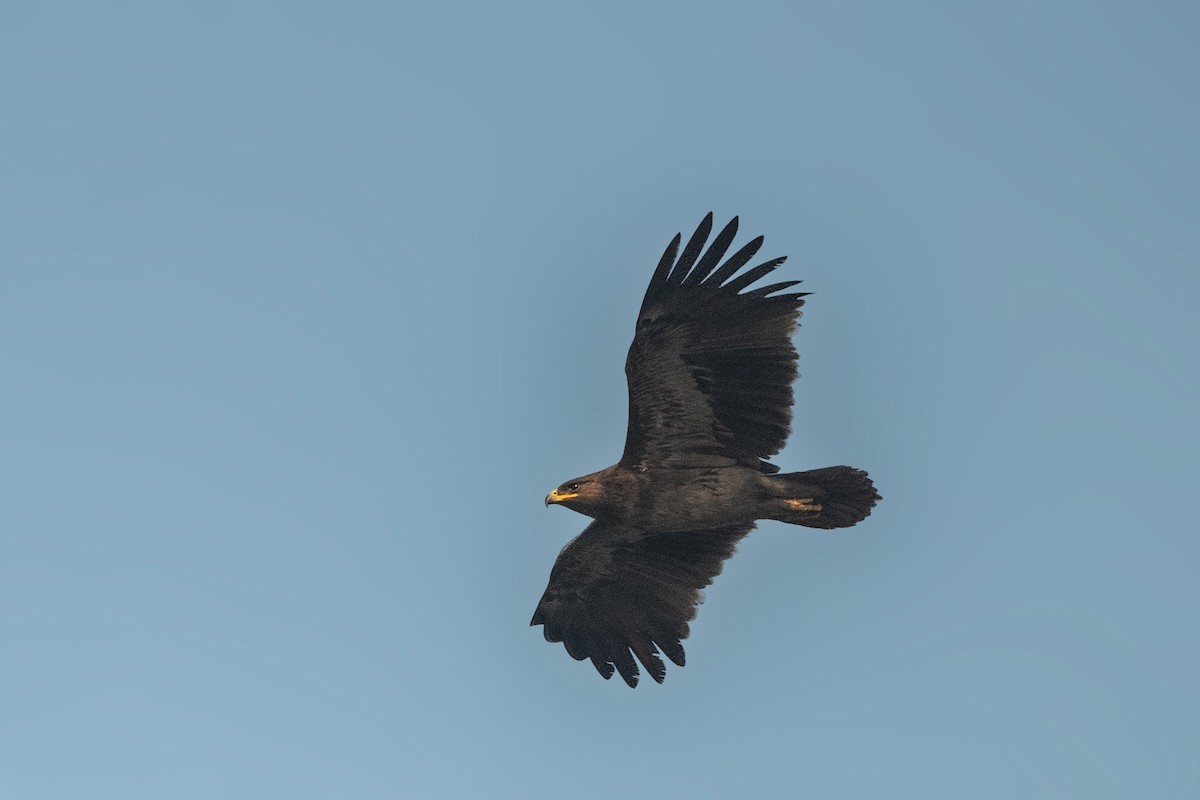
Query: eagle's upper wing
(615, 589)
(711, 367)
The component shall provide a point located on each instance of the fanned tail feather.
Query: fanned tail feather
(832, 497)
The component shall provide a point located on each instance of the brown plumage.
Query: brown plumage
(710, 375)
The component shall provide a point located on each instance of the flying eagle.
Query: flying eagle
(710, 375)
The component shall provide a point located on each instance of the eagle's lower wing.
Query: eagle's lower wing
(711, 367)
(615, 589)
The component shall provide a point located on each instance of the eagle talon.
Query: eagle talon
(807, 504)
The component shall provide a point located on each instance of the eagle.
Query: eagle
(710, 375)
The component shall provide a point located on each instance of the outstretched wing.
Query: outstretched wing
(711, 367)
(615, 589)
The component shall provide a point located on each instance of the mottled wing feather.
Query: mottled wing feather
(617, 593)
(711, 367)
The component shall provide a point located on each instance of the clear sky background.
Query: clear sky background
(305, 306)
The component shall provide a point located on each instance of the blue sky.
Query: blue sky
(304, 307)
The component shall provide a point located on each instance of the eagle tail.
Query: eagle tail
(832, 497)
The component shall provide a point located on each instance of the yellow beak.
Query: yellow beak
(557, 497)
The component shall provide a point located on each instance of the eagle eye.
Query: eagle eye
(572, 487)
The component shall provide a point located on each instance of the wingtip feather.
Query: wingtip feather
(750, 276)
(605, 669)
(692, 250)
(664, 263)
(712, 257)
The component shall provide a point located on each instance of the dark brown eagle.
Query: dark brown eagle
(710, 375)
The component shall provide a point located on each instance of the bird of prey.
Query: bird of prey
(710, 375)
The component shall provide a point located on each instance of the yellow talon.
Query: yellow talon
(806, 504)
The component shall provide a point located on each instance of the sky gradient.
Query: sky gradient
(304, 307)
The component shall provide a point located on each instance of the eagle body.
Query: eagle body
(670, 499)
(710, 375)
